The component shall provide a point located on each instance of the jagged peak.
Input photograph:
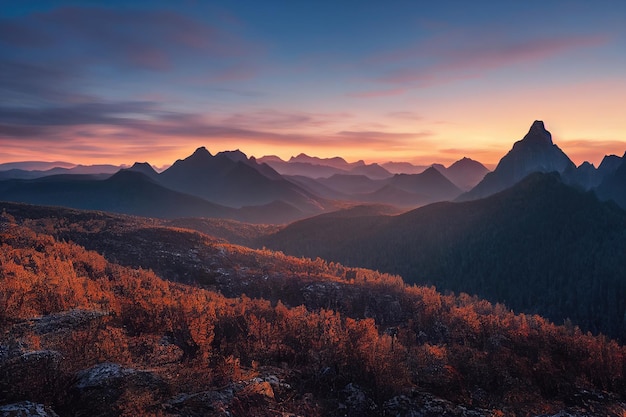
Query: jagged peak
(236, 155)
(538, 134)
(140, 164)
(201, 151)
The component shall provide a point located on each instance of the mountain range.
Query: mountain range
(231, 185)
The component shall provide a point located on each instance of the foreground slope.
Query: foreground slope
(84, 335)
(539, 246)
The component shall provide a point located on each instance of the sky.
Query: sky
(116, 82)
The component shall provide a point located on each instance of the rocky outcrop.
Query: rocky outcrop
(26, 409)
(104, 389)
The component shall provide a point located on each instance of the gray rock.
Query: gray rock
(26, 409)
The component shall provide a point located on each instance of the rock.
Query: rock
(104, 389)
(355, 402)
(427, 405)
(101, 375)
(66, 320)
(26, 409)
(30, 374)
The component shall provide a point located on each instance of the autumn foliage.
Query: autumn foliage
(388, 338)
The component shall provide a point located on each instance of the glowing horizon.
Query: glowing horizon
(410, 83)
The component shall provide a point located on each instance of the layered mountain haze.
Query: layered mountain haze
(234, 180)
(314, 167)
(464, 173)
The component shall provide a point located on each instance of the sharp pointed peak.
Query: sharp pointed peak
(538, 133)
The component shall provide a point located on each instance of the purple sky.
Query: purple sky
(98, 82)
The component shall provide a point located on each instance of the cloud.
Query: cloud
(97, 129)
(591, 150)
(404, 115)
(147, 39)
(452, 56)
(377, 93)
(59, 54)
(273, 119)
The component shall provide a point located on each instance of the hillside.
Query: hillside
(540, 247)
(82, 334)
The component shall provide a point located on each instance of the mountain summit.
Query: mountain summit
(534, 153)
(538, 134)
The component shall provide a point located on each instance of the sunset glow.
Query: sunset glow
(118, 82)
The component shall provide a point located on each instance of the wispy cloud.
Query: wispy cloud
(454, 56)
(378, 93)
(102, 125)
(274, 119)
(58, 53)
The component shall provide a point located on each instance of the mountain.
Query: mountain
(102, 171)
(145, 168)
(373, 171)
(585, 176)
(465, 173)
(351, 184)
(335, 162)
(316, 187)
(402, 190)
(35, 165)
(613, 186)
(431, 184)
(314, 167)
(303, 169)
(128, 191)
(228, 179)
(609, 164)
(541, 246)
(534, 153)
(403, 167)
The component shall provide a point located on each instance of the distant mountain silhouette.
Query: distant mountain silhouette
(403, 167)
(317, 187)
(335, 162)
(373, 171)
(314, 167)
(351, 184)
(145, 168)
(431, 184)
(304, 169)
(35, 165)
(128, 192)
(402, 190)
(228, 179)
(540, 246)
(534, 153)
(464, 173)
(613, 186)
(102, 171)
